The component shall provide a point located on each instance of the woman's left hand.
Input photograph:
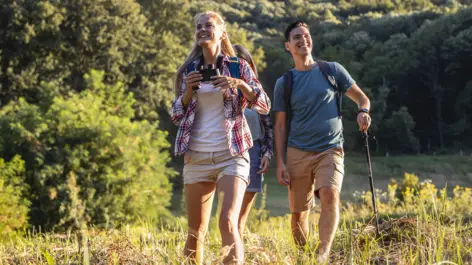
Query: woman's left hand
(264, 165)
(225, 82)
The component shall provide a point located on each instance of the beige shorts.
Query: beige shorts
(310, 171)
(212, 166)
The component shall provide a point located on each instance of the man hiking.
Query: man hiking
(307, 110)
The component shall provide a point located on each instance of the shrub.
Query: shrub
(87, 160)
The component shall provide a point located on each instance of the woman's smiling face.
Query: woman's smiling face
(208, 32)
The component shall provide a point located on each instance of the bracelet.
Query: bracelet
(364, 110)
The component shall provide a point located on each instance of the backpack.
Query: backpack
(288, 84)
(233, 67)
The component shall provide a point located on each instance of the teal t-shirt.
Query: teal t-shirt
(315, 124)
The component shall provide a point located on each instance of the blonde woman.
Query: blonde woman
(214, 136)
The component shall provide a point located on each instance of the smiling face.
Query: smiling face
(208, 31)
(299, 42)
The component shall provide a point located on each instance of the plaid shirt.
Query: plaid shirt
(237, 129)
(267, 146)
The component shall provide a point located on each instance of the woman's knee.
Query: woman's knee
(197, 232)
(228, 222)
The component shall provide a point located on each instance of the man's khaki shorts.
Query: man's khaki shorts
(310, 171)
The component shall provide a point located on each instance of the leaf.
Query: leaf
(48, 257)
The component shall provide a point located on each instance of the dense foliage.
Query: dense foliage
(91, 146)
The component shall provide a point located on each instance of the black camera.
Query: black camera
(208, 72)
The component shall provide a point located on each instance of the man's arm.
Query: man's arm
(363, 102)
(280, 136)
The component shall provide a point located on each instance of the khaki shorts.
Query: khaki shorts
(310, 171)
(212, 166)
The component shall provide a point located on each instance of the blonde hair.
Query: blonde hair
(226, 48)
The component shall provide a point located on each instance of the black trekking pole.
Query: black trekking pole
(371, 179)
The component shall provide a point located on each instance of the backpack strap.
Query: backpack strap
(234, 67)
(330, 76)
(288, 84)
(234, 70)
(190, 67)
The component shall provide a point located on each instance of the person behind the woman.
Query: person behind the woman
(214, 136)
(261, 151)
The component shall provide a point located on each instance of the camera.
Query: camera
(208, 72)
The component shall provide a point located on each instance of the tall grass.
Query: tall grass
(420, 225)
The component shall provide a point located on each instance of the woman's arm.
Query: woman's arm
(254, 95)
(267, 148)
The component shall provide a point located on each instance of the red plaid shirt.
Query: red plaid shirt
(237, 129)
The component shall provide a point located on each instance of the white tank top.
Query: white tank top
(208, 130)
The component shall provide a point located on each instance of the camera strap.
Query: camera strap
(219, 63)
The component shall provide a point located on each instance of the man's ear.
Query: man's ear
(287, 46)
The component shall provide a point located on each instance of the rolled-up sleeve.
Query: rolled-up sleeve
(267, 148)
(262, 102)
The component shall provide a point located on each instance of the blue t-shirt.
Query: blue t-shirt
(315, 124)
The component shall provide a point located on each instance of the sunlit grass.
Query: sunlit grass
(423, 226)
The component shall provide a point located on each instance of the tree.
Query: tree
(397, 134)
(13, 203)
(86, 160)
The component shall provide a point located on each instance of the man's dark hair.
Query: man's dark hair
(295, 24)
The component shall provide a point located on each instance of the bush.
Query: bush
(87, 161)
(14, 206)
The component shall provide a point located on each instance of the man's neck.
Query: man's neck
(304, 63)
(210, 54)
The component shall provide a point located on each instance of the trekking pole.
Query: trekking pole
(371, 179)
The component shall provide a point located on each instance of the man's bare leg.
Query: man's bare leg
(300, 228)
(328, 222)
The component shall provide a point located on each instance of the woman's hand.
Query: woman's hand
(192, 80)
(225, 82)
(264, 165)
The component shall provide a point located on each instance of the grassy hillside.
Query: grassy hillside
(429, 228)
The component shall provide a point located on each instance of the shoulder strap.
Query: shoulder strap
(234, 70)
(288, 84)
(330, 76)
(234, 67)
(190, 67)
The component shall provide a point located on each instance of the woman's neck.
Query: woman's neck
(210, 54)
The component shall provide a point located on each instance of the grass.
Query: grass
(421, 225)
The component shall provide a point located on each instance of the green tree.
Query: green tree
(13, 203)
(87, 161)
(397, 135)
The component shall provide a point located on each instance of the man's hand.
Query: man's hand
(363, 119)
(264, 165)
(282, 175)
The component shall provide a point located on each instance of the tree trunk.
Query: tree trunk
(439, 121)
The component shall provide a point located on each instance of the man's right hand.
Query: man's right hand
(282, 175)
